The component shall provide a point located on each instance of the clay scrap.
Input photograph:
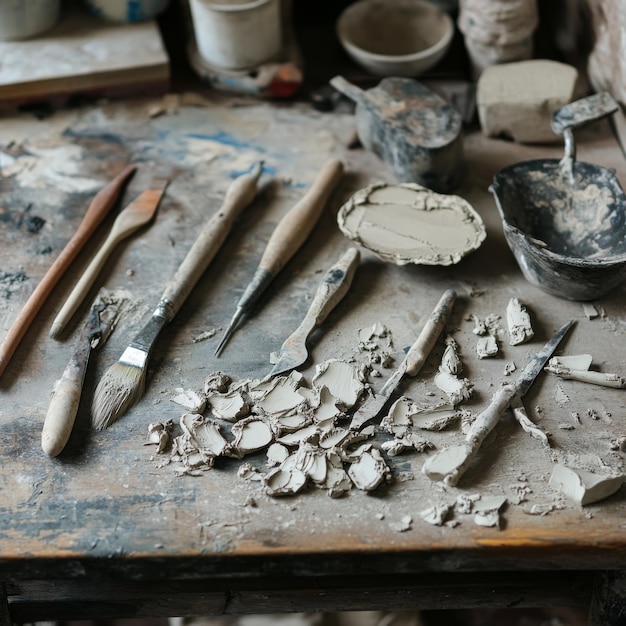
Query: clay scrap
(518, 321)
(583, 486)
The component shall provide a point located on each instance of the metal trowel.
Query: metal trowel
(333, 288)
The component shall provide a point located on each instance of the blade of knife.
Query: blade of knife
(412, 362)
(449, 464)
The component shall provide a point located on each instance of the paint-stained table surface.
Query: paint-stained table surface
(109, 511)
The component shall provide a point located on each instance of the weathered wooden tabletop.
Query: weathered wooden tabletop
(107, 507)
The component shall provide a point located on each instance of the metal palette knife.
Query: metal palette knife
(449, 464)
(333, 288)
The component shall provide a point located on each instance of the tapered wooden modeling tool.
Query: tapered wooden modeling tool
(123, 383)
(139, 212)
(96, 212)
(288, 236)
(334, 287)
(412, 362)
(63, 408)
(449, 464)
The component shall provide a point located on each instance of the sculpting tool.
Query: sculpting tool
(123, 383)
(413, 361)
(449, 464)
(63, 407)
(288, 236)
(96, 212)
(614, 381)
(139, 212)
(333, 288)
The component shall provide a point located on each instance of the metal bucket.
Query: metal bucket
(565, 220)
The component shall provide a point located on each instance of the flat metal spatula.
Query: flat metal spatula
(294, 351)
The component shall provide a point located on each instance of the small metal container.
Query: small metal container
(565, 220)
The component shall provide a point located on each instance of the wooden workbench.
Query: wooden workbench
(107, 529)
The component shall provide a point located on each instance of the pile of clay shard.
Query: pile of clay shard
(298, 425)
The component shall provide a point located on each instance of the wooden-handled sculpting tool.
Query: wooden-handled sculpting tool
(449, 464)
(63, 407)
(334, 287)
(123, 383)
(139, 212)
(288, 236)
(96, 212)
(412, 362)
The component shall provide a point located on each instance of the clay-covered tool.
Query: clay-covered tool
(417, 132)
(63, 407)
(139, 212)
(101, 204)
(288, 236)
(449, 464)
(412, 362)
(333, 288)
(123, 383)
(564, 219)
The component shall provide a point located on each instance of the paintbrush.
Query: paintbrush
(61, 414)
(333, 288)
(288, 236)
(412, 362)
(96, 212)
(139, 212)
(123, 383)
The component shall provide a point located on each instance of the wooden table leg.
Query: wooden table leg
(608, 601)
(5, 620)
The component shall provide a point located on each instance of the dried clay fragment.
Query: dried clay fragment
(436, 514)
(160, 434)
(276, 454)
(457, 389)
(450, 361)
(518, 321)
(284, 482)
(229, 406)
(343, 380)
(487, 511)
(251, 434)
(217, 381)
(410, 441)
(369, 470)
(337, 482)
(205, 433)
(582, 486)
(486, 347)
(190, 400)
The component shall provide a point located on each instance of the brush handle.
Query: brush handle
(297, 224)
(96, 212)
(61, 414)
(239, 195)
(148, 199)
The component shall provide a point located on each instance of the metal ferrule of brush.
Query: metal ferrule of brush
(138, 350)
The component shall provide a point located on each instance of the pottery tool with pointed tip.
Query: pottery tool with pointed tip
(139, 212)
(63, 408)
(288, 236)
(412, 362)
(123, 383)
(333, 288)
(449, 465)
(101, 204)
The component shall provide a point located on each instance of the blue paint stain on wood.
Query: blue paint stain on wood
(226, 139)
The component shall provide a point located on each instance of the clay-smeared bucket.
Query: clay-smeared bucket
(565, 220)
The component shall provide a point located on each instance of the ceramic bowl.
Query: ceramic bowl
(395, 37)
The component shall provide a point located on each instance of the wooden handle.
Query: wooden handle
(63, 407)
(488, 419)
(424, 343)
(99, 207)
(298, 223)
(119, 231)
(239, 195)
(334, 287)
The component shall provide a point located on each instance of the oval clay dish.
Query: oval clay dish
(408, 223)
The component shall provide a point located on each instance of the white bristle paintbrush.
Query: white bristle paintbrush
(123, 383)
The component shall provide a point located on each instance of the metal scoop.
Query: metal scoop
(564, 219)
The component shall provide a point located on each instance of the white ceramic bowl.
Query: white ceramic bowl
(395, 37)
